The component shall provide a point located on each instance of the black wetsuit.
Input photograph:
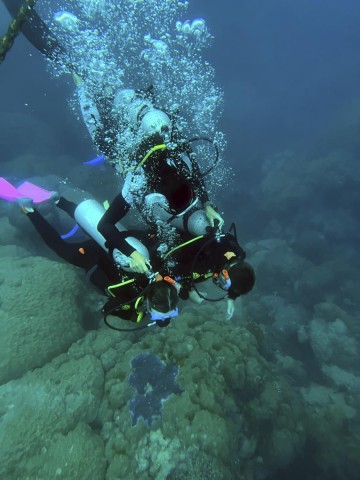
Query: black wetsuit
(106, 226)
(166, 173)
(202, 257)
(88, 255)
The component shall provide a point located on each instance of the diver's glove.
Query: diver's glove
(230, 309)
(195, 297)
(212, 215)
(139, 263)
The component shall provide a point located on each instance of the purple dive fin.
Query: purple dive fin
(9, 192)
(29, 190)
(26, 190)
(37, 194)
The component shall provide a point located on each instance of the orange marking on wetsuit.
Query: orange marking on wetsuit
(82, 250)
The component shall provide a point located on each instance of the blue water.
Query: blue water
(275, 392)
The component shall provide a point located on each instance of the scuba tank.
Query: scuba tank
(143, 115)
(88, 214)
(192, 220)
(196, 223)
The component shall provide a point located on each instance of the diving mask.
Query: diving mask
(155, 315)
(222, 280)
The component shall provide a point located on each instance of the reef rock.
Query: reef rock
(40, 313)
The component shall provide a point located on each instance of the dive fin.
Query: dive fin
(25, 190)
(8, 192)
(96, 161)
(37, 194)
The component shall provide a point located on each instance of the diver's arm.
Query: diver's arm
(106, 226)
(201, 192)
(230, 308)
(198, 182)
(70, 252)
(199, 185)
(116, 240)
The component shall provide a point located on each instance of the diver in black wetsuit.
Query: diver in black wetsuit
(218, 256)
(215, 255)
(131, 297)
(167, 189)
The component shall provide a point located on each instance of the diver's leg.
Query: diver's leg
(67, 206)
(87, 255)
(70, 252)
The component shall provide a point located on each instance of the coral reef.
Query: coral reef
(39, 320)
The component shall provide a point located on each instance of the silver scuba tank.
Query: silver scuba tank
(142, 114)
(88, 214)
(156, 207)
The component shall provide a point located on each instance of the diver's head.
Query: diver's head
(162, 299)
(237, 277)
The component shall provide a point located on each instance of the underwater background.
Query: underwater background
(275, 392)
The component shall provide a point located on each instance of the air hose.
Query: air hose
(116, 307)
(217, 153)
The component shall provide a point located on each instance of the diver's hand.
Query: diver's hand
(212, 215)
(139, 263)
(230, 309)
(195, 297)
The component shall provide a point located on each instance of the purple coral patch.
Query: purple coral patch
(154, 382)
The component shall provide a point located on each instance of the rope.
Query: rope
(15, 28)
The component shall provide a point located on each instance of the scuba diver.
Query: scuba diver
(216, 255)
(131, 297)
(163, 181)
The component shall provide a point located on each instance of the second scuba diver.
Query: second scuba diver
(215, 255)
(131, 297)
(162, 181)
